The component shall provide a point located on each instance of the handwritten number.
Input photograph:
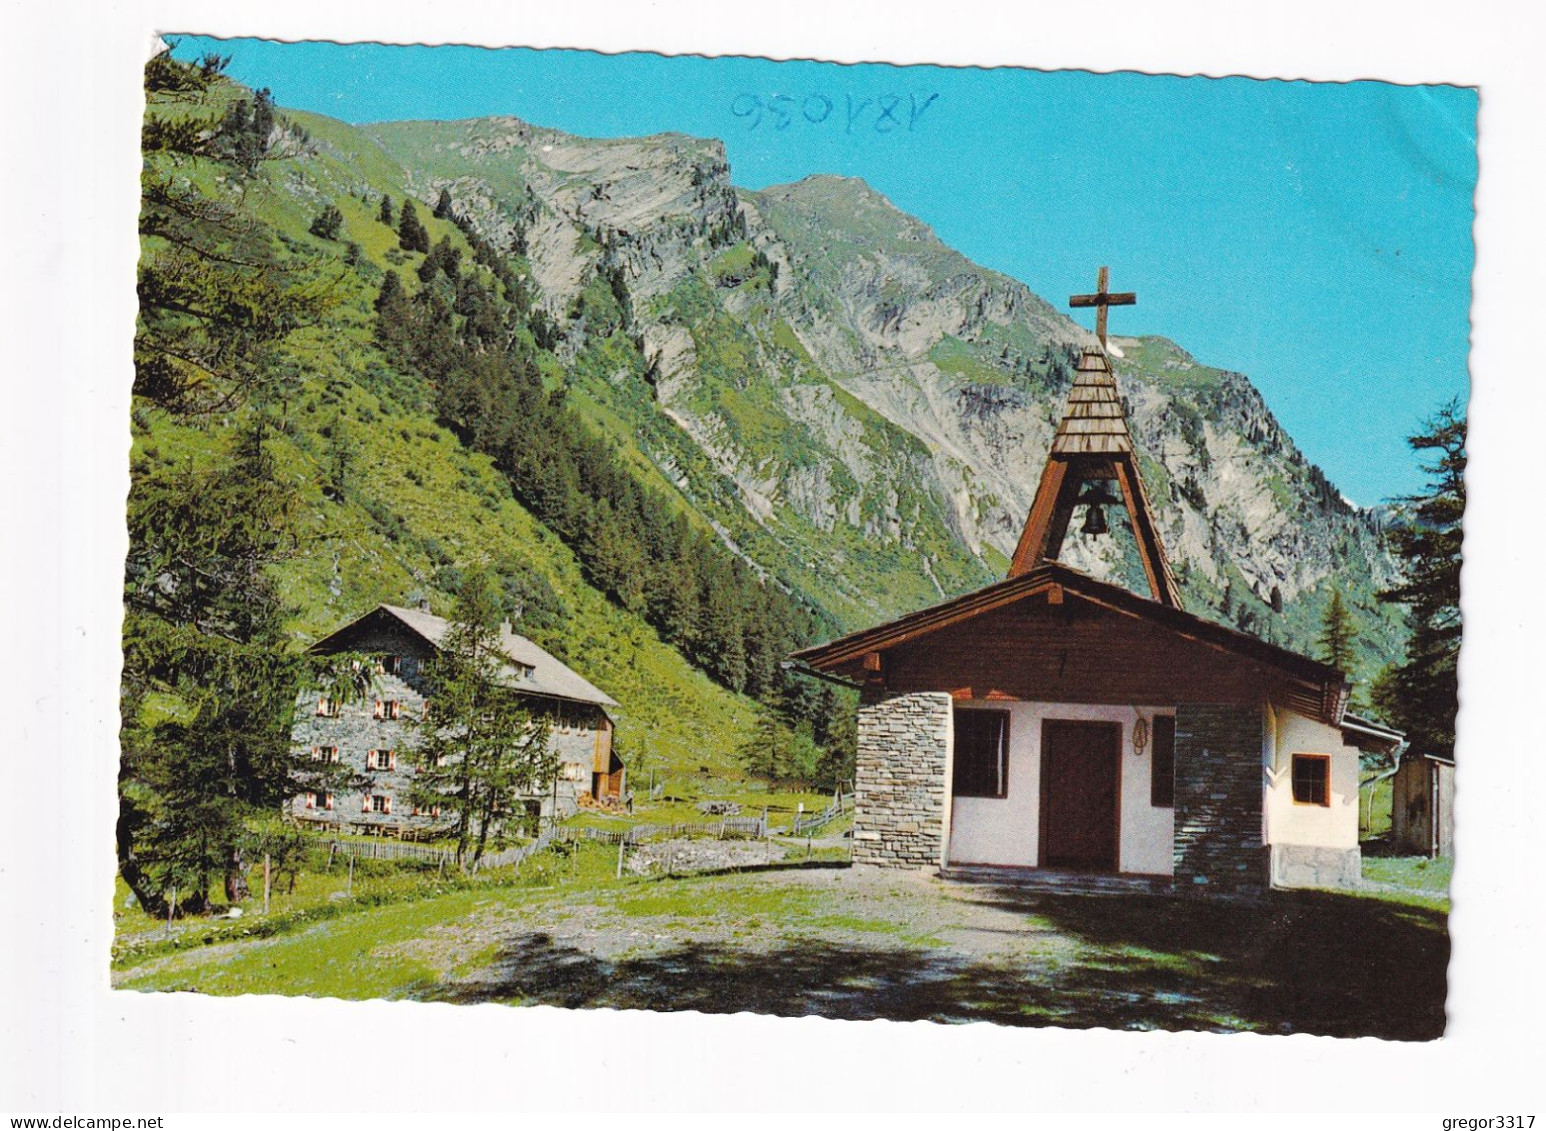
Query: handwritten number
(747, 105)
(854, 111)
(778, 111)
(917, 109)
(888, 105)
(825, 106)
(816, 108)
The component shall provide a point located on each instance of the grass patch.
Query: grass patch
(855, 943)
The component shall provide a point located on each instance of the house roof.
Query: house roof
(1330, 685)
(546, 676)
(1366, 734)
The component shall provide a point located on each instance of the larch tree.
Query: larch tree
(481, 752)
(209, 681)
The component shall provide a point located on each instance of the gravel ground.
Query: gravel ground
(836, 941)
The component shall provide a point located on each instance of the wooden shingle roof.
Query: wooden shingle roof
(1093, 422)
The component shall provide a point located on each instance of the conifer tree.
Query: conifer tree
(209, 681)
(443, 205)
(1421, 694)
(411, 234)
(481, 752)
(1337, 635)
(385, 214)
(327, 223)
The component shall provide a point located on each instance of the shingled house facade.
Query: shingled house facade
(374, 738)
(1058, 722)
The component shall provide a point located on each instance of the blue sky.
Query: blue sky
(1315, 236)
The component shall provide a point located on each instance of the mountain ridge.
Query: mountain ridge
(857, 407)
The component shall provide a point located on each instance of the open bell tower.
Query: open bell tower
(1092, 456)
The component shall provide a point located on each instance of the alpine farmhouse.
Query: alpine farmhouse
(373, 739)
(1056, 722)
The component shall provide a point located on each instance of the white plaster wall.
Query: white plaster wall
(1007, 830)
(1288, 821)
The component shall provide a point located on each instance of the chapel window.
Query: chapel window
(981, 754)
(1311, 775)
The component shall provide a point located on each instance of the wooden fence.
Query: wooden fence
(805, 825)
(753, 827)
(388, 850)
(511, 857)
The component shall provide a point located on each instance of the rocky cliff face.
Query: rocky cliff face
(863, 411)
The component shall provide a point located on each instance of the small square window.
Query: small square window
(327, 708)
(390, 665)
(1312, 779)
(378, 803)
(387, 708)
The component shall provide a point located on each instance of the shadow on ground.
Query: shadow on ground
(1305, 961)
(1294, 962)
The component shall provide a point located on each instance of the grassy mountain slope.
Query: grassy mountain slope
(853, 407)
(417, 507)
(862, 411)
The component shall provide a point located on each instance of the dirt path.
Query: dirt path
(858, 943)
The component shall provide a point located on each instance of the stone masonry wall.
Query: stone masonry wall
(1218, 800)
(355, 731)
(900, 779)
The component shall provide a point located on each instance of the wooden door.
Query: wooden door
(1080, 763)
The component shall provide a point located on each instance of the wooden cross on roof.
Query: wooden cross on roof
(1092, 448)
(1102, 299)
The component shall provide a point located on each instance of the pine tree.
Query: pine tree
(385, 214)
(1422, 693)
(443, 205)
(327, 223)
(411, 234)
(1337, 635)
(481, 752)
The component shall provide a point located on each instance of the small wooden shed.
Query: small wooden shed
(1422, 812)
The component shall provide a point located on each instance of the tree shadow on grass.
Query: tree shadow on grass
(811, 978)
(1292, 961)
(1302, 963)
